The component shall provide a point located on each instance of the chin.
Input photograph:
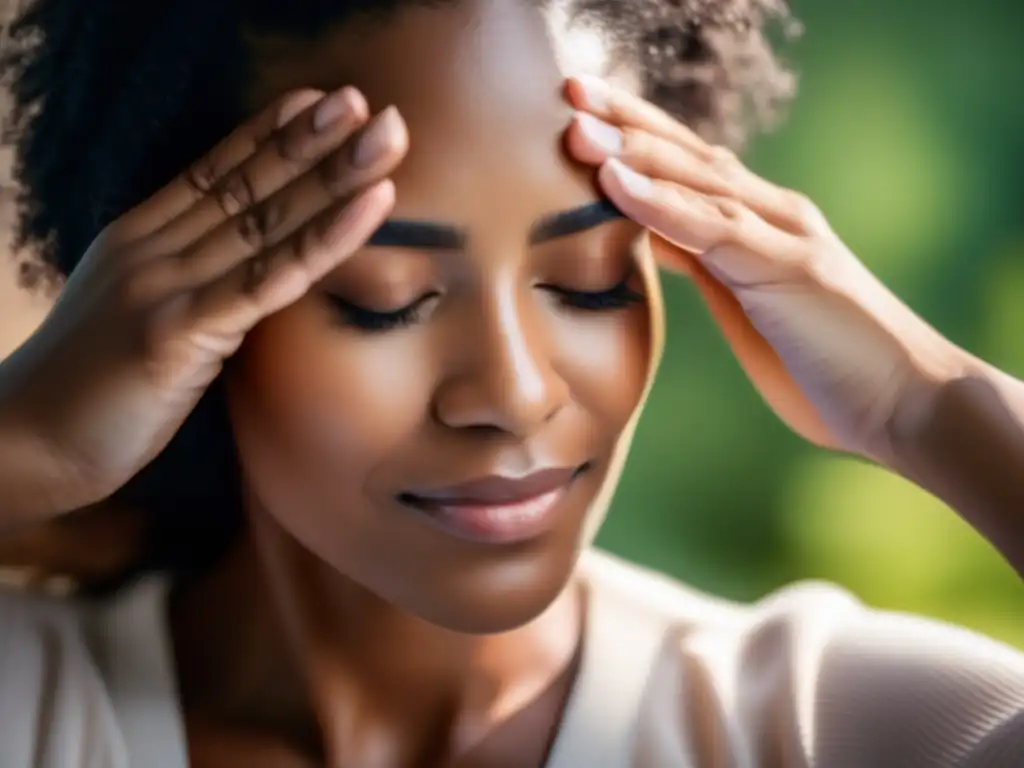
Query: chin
(495, 598)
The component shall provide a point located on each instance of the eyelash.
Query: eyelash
(615, 298)
(379, 322)
(618, 296)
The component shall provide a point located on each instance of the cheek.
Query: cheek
(316, 411)
(605, 360)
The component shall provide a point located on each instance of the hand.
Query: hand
(168, 292)
(830, 349)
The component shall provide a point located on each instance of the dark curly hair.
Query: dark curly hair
(110, 99)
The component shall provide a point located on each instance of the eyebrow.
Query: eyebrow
(431, 235)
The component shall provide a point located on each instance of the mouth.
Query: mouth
(497, 509)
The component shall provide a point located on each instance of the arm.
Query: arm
(32, 490)
(26, 494)
(836, 355)
(809, 677)
(963, 440)
(99, 390)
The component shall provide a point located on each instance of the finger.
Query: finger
(593, 141)
(621, 108)
(183, 192)
(272, 221)
(278, 277)
(284, 156)
(737, 245)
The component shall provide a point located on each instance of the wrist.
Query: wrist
(34, 484)
(961, 437)
(933, 386)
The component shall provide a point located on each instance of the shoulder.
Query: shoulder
(53, 703)
(811, 672)
(76, 675)
(39, 632)
(679, 605)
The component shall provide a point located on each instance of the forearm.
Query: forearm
(29, 491)
(963, 440)
(34, 485)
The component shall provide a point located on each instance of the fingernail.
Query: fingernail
(376, 139)
(333, 107)
(607, 137)
(635, 183)
(595, 89)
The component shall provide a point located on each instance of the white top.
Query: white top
(669, 677)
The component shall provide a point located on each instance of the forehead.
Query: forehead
(479, 84)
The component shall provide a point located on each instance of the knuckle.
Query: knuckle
(235, 193)
(201, 176)
(733, 220)
(256, 273)
(635, 144)
(617, 108)
(724, 161)
(612, 107)
(290, 144)
(305, 243)
(274, 214)
(803, 211)
(810, 264)
(335, 173)
(261, 223)
(731, 210)
(252, 227)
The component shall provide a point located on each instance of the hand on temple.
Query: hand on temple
(168, 291)
(836, 355)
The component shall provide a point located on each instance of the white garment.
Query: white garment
(806, 678)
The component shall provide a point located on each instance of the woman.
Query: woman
(389, 367)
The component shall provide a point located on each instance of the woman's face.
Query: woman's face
(434, 420)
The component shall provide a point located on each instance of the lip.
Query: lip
(497, 509)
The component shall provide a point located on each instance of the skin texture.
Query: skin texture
(92, 543)
(374, 664)
(839, 358)
(498, 376)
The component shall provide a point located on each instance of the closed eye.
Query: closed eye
(373, 321)
(619, 296)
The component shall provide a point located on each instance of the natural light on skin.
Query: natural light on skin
(577, 49)
(496, 326)
(429, 235)
(333, 422)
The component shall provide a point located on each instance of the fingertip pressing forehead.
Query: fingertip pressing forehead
(439, 58)
(480, 85)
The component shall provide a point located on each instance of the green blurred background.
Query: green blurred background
(907, 133)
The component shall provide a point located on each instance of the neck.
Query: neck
(275, 641)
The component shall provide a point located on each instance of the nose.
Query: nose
(505, 379)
